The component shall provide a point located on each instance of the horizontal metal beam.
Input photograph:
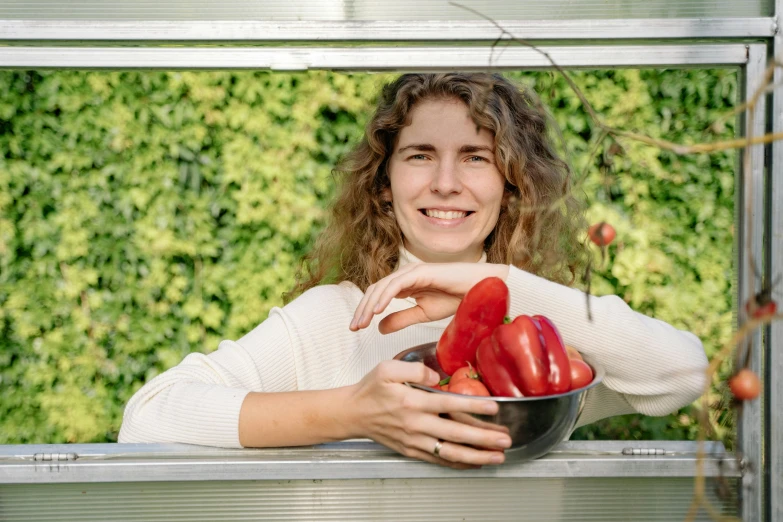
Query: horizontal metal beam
(84, 463)
(370, 58)
(378, 31)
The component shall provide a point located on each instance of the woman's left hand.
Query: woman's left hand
(437, 287)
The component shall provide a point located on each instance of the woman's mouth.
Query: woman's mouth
(445, 214)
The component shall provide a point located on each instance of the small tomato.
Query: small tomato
(581, 374)
(469, 387)
(745, 385)
(601, 233)
(761, 311)
(466, 372)
(573, 353)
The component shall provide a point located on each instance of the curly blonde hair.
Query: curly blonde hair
(539, 226)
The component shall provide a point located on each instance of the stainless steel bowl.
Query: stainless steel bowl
(535, 424)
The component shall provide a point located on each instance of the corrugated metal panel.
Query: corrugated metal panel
(377, 9)
(488, 499)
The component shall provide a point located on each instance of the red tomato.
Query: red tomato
(745, 386)
(581, 374)
(466, 372)
(601, 233)
(444, 387)
(762, 310)
(573, 353)
(469, 387)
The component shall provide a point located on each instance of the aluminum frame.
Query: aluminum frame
(762, 229)
(372, 58)
(86, 463)
(773, 268)
(152, 32)
(751, 248)
(648, 481)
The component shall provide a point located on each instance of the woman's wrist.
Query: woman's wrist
(352, 415)
(299, 418)
(500, 270)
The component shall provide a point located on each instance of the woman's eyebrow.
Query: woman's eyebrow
(422, 147)
(465, 149)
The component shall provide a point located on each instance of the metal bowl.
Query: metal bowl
(535, 424)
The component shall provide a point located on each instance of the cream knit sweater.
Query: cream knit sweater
(651, 367)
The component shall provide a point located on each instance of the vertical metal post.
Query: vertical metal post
(774, 361)
(750, 249)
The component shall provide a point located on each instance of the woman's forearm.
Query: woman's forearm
(298, 418)
(655, 367)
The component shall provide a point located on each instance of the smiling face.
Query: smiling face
(446, 190)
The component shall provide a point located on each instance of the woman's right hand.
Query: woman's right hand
(407, 420)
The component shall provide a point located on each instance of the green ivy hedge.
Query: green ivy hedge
(145, 215)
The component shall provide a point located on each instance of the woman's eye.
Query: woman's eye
(477, 158)
(418, 157)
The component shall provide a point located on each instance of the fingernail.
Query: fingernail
(489, 407)
(496, 459)
(504, 443)
(377, 308)
(353, 324)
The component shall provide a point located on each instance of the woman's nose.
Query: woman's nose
(446, 179)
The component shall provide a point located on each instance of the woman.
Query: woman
(450, 185)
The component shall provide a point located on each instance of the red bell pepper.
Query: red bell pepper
(518, 348)
(481, 310)
(494, 374)
(559, 363)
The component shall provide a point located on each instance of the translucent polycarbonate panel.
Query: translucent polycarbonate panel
(442, 10)
(661, 499)
(559, 9)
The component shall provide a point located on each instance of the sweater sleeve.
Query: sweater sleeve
(651, 367)
(199, 400)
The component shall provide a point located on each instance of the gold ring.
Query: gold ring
(436, 449)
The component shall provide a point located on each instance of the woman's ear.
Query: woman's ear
(508, 196)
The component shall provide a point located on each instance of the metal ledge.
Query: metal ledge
(87, 463)
(371, 58)
(378, 31)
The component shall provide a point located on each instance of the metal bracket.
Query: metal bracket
(643, 451)
(54, 457)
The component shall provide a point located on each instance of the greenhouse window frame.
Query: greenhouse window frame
(745, 43)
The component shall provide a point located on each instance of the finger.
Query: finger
(404, 318)
(401, 286)
(413, 372)
(357, 314)
(429, 457)
(361, 309)
(472, 420)
(451, 403)
(364, 312)
(466, 455)
(463, 434)
(456, 453)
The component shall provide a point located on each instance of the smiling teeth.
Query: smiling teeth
(451, 214)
